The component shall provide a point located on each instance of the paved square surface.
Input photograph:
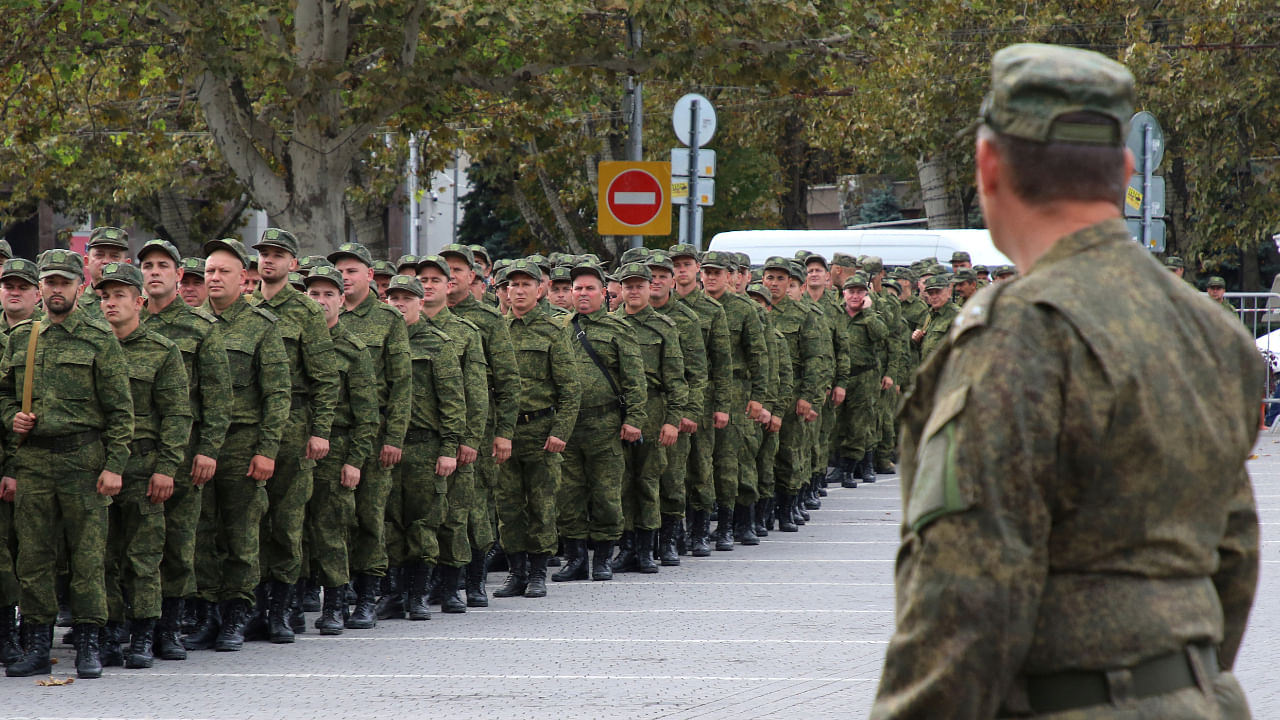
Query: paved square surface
(794, 628)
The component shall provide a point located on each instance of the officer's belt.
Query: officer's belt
(525, 418)
(599, 410)
(142, 447)
(1074, 689)
(420, 435)
(62, 442)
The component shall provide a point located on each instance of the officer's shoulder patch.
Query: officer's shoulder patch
(936, 490)
(270, 316)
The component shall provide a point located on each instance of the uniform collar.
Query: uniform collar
(1111, 230)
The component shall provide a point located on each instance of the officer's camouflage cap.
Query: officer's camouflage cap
(325, 273)
(524, 267)
(960, 256)
(660, 259)
(160, 245)
(480, 251)
(118, 272)
(634, 270)
(1173, 261)
(462, 251)
(937, 281)
(434, 261)
(20, 268)
(407, 283)
(231, 245)
(1033, 85)
(777, 262)
(5, 251)
(108, 236)
(561, 273)
(683, 250)
(857, 279)
(277, 238)
(634, 255)
(384, 268)
(297, 281)
(351, 250)
(964, 275)
(589, 269)
(713, 259)
(1214, 282)
(872, 264)
(760, 291)
(193, 266)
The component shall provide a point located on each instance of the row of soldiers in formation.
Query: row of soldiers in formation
(196, 447)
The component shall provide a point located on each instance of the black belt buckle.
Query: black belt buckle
(528, 417)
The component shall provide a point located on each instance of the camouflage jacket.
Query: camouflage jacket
(694, 352)
(357, 412)
(161, 396)
(259, 369)
(381, 328)
(312, 364)
(204, 358)
(797, 322)
(659, 341)
(548, 369)
(715, 341)
(439, 400)
(936, 326)
(1050, 521)
(615, 343)
(750, 357)
(475, 373)
(5, 327)
(500, 360)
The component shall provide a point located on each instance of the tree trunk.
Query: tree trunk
(941, 206)
(792, 157)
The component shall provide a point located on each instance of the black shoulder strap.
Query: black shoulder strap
(591, 353)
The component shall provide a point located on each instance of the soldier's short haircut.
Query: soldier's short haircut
(1046, 172)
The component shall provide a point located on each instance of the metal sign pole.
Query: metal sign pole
(1146, 185)
(694, 236)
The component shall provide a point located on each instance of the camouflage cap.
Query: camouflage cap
(872, 265)
(589, 258)
(936, 269)
(638, 254)
(1003, 270)
(480, 251)
(524, 267)
(407, 283)
(500, 278)
(960, 256)
(253, 260)
(589, 269)
(161, 245)
(892, 283)
(501, 263)
(797, 270)
(193, 266)
(743, 260)
(660, 259)
(844, 260)
(760, 291)
(277, 238)
(1214, 281)
(297, 281)
(683, 250)
(404, 261)
(435, 261)
(558, 258)
(462, 251)
(325, 273)
(5, 251)
(713, 259)
(813, 257)
(561, 273)
(231, 245)
(21, 269)
(108, 236)
(634, 270)
(937, 281)
(1033, 85)
(541, 261)
(777, 262)
(981, 269)
(351, 250)
(964, 275)
(382, 268)
(757, 275)
(855, 280)
(118, 272)
(1173, 261)
(312, 261)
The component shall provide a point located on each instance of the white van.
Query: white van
(894, 247)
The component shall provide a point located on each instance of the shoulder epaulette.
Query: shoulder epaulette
(665, 319)
(468, 323)
(383, 307)
(202, 313)
(265, 313)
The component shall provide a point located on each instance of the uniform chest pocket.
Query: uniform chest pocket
(533, 355)
(423, 375)
(291, 334)
(240, 351)
(650, 350)
(141, 378)
(190, 348)
(74, 374)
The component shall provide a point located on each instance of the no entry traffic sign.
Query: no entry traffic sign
(634, 198)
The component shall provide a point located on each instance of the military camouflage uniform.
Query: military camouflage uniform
(809, 362)
(717, 397)
(672, 492)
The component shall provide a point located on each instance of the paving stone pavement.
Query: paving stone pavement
(793, 628)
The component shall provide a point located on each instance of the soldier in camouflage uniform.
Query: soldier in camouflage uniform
(68, 460)
(420, 499)
(1216, 289)
(106, 245)
(612, 412)
(209, 378)
(1084, 542)
(893, 371)
(942, 313)
(864, 332)
(966, 284)
(504, 385)
(779, 393)
(314, 397)
(233, 501)
(161, 427)
(191, 286)
(547, 408)
(667, 396)
(381, 328)
(331, 511)
(454, 541)
(383, 271)
(19, 293)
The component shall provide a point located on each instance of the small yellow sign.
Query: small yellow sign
(1133, 198)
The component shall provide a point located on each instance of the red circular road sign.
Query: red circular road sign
(634, 197)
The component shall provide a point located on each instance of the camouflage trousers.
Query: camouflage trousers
(589, 501)
(645, 464)
(766, 456)
(525, 496)
(367, 546)
(751, 434)
(672, 487)
(482, 519)
(287, 494)
(135, 546)
(729, 449)
(231, 508)
(417, 503)
(452, 535)
(700, 479)
(793, 453)
(887, 437)
(181, 518)
(9, 591)
(826, 432)
(859, 422)
(58, 499)
(331, 513)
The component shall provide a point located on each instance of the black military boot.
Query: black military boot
(476, 576)
(699, 529)
(601, 569)
(681, 538)
(724, 528)
(850, 473)
(363, 616)
(644, 552)
(256, 627)
(496, 558)
(447, 582)
(416, 579)
(800, 514)
(626, 559)
(517, 576)
(743, 530)
(537, 587)
(310, 596)
(554, 560)
(869, 467)
(107, 647)
(62, 588)
(297, 612)
(278, 628)
(205, 634)
(88, 661)
(811, 500)
(668, 553)
(191, 615)
(786, 513)
(235, 615)
(390, 605)
(577, 562)
(37, 640)
(884, 465)
(762, 518)
(332, 610)
(168, 638)
(10, 642)
(140, 655)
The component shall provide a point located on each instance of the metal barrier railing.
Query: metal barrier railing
(1260, 314)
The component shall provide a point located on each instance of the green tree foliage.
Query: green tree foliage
(881, 206)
